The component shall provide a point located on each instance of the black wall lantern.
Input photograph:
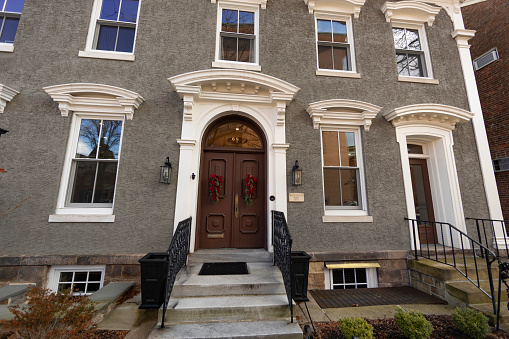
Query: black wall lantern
(296, 174)
(164, 177)
(3, 131)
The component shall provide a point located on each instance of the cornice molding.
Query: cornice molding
(462, 36)
(6, 95)
(335, 6)
(428, 114)
(261, 3)
(94, 98)
(342, 112)
(414, 12)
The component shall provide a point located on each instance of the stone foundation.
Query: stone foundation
(428, 284)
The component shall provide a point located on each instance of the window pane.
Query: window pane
(110, 139)
(107, 38)
(412, 38)
(349, 275)
(234, 134)
(105, 186)
(14, 6)
(2, 5)
(415, 66)
(230, 20)
(332, 187)
(325, 57)
(65, 277)
(330, 149)
(360, 274)
(109, 10)
(94, 276)
(93, 287)
(63, 287)
(80, 276)
(340, 58)
(246, 22)
(246, 49)
(80, 288)
(324, 30)
(9, 30)
(414, 149)
(337, 276)
(129, 11)
(83, 185)
(399, 38)
(125, 39)
(349, 187)
(229, 48)
(87, 141)
(401, 61)
(339, 31)
(347, 145)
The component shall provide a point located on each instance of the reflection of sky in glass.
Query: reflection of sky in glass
(246, 22)
(89, 138)
(128, 10)
(87, 141)
(406, 39)
(339, 30)
(13, 5)
(230, 19)
(110, 143)
(324, 30)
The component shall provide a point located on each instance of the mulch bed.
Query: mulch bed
(387, 328)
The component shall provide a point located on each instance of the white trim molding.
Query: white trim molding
(210, 94)
(350, 7)
(342, 112)
(6, 95)
(405, 12)
(428, 114)
(94, 98)
(261, 3)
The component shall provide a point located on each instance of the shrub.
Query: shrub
(413, 324)
(51, 315)
(356, 327)
(471, 322)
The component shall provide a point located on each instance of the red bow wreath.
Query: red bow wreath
(250, 189)
(215, 182)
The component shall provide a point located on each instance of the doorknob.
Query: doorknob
(236, 205)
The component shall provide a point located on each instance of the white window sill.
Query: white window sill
(6, 47)
(347, 218)
(236, 65)
(334, 73)
(418, 79)
(106, 55)
(82, 215)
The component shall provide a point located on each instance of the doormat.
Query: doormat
(223, 268)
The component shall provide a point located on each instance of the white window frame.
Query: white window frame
(54, 275)
(251, 66)
(8, 46)
(424, 50)
(354, 211)
(371, 275)
(351, 57)
(93, 32)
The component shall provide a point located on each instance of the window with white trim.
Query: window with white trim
(352, 278)
(112, 32)
(237, 36)
(410, 56)
(341, 170)
(10, 13)
(82, 280)
(334, 44)
(94, 163)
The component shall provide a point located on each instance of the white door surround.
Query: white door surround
(210, 94)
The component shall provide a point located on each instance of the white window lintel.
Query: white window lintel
(405, 12)
(6, 95)
(342, 112)
(261, 3)
(350, 7)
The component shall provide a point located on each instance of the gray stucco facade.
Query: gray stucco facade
(179, 36)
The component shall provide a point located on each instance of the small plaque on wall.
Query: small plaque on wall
(296, 197)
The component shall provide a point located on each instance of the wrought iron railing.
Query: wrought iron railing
(177, 258)
(444, 243)
(282, 242)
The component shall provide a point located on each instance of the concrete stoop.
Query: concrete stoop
(251, 305)
(447, 283)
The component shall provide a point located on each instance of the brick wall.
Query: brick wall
(489, 19)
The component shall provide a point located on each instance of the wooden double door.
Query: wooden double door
(231, 221)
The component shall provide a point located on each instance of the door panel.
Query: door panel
(422, 200)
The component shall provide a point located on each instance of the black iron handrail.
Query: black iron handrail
(484, 226)
(177, 258)
(433, 247)
(282, 242)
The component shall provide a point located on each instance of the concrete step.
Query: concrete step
(255, 329)
(230, 255)
(227, 308)
(467, 292)
(445, 272)
(487, 309)
(263, 278)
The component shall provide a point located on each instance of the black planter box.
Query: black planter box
(154, 270)
(299, 272)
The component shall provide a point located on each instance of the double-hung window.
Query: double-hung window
(112, 32)
(94, 163)
(410, 56)
(10, 13)
(333, 45)
(340, 170)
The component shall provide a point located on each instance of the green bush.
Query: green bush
(413, 324)
(471, 322)
(356, 327)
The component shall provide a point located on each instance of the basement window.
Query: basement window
(351, 276)
(83, 280)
